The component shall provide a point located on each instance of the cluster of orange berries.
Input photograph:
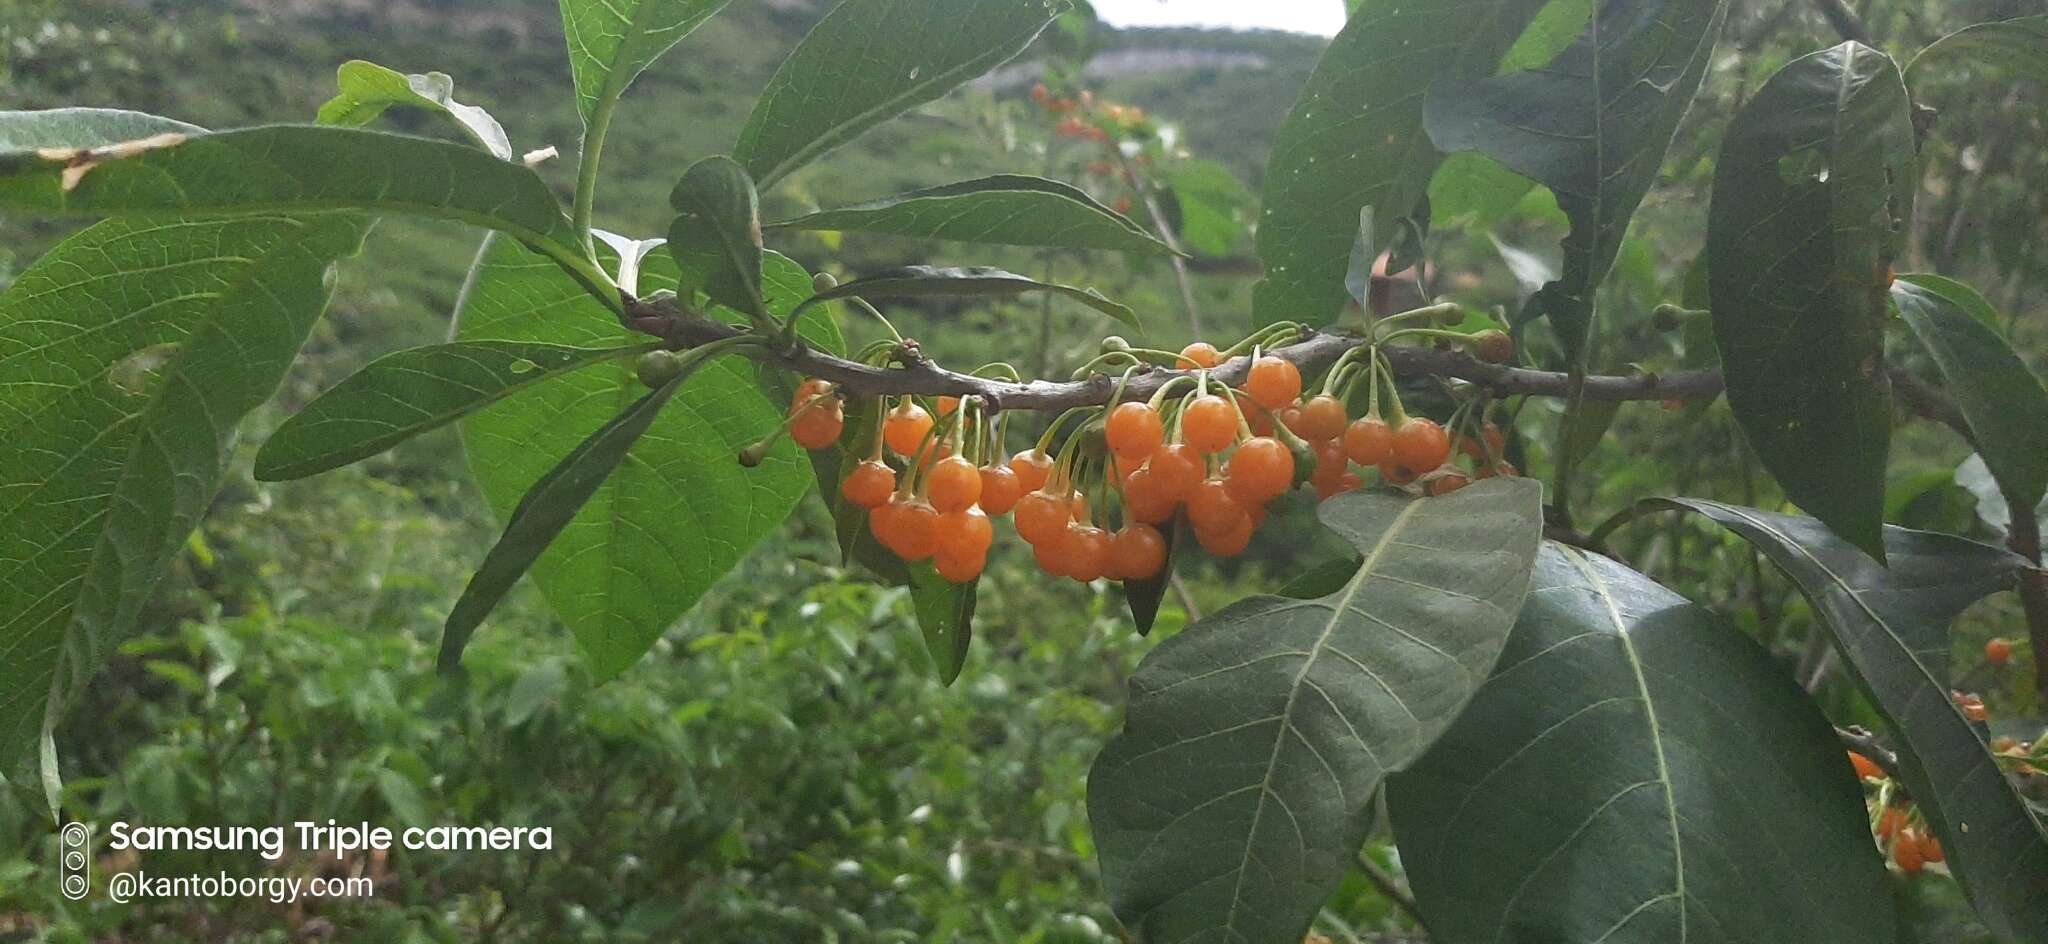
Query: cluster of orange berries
(1212, 452)
(1898, 827)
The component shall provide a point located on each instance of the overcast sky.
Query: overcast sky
(1322, 17)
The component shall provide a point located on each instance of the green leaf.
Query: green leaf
(1973, 476)
(406, 393)
(2001, 400)
(1813, 186)
(1592, 125)
(82, 128)
(716, 236)
(294, 169)
(1956, 293)
(682, 511)
(1231, 805)
(1891, 625)
(1214, 205)
(945, 614)
(1354, 139)
(548, 507)
(974, 281)
(868, 61)
(101, 481)
(1636, 772)
(2017, 47)
(1007, 209)
(367, 89)
(612, 41)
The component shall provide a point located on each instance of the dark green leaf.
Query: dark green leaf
(868, 61)
(612, 41)
(2001, 400)
(1354, 139)
(1956, 293)
(82, 128)
(293, 169)
(1636, 772)
(716, 236)
(945, 613)
(403, 394)
(1592, 125)
(367, 89)
(1891, 625)
(1007, 209)
(548, 508)
(1144, 596)
(1232, 803)
(2017, 47)
(100, 482)
(1973, 476)
(975, 281)
(1811, 195)
(1213, 206)
(682, 511)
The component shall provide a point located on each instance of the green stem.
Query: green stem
(586, 170)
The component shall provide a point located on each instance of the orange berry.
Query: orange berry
(1330, 461)
(1209, 424)
(818, 424)
(908, 527)
(1273, 382)
(1866, 769)
(1261, 422)
(1213, 508)
(869, 484)
(1145, 500)
(964, 533)
(1322, 417)
(960, 568)
(1032, 468)
(1930, 848)
(953, 484)
(1000, 489)
(1086, 549)
(1906, 851)
(1229, 540)
(1051, 557)
(1261, 469)
(1394, 473)
(1446, 484)
(1890, 822)
(1042, 517)
(1077, 504)
(1368, 440)
(1421, 444)
(1176, 470)
(905, 427)
(1198, 354)
(1972, 706)
(1133, 430)
(1998, 651)
(947, 405)
(1137, 552)
(1039, 93)
(1494, 442)
(810, 389)
(1348, 482)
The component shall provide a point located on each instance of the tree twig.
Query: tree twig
(1845, 21)
(1865, 743)
(1390, 889)
(663, 318)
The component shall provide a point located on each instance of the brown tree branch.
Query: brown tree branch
(661, 317)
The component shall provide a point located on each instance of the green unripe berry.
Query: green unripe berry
(824, 282)
(657, 368)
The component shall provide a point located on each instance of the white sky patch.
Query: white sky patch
(1321, 17)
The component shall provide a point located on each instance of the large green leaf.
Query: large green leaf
(1891, 625)
(292, 169)
(1811, 195)
(681, 511)
(2002, 401)
(1007, 209)
(967, 282)
(1232, 803)
(82, 128)
(128, 356)
(367, 89)
(1635, 770)
(1592, 125)
(716, 236)
(2017, 47)
(406, 393)
(549, 506)
(612, 41)
(1354, 140)
(868, 61)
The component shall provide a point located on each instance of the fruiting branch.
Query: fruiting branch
(663, 318)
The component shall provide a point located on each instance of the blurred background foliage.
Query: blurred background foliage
(784, 766)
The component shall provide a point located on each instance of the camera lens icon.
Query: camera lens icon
(75, 835)
(74, 860)
(76, 878)
(74, 887)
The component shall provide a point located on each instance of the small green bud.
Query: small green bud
(1115, 343)
(824, 282)
(658, 367)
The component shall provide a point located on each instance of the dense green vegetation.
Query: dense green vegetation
(784, 763)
